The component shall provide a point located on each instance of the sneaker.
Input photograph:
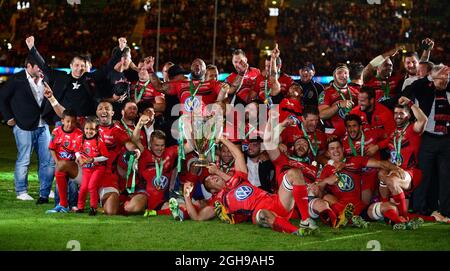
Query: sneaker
(359, 222)
(345, 216)
(399, 227)
(24, 196)
(440, 218)
(58, 209)
(175, 209)
(309, 223)
(51, 195)
(222, 214)
(42, 200)
(92, 211)
(149, 213)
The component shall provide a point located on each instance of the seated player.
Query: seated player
(155, 167)
(342, 188)
(358, 142)
(296, 159)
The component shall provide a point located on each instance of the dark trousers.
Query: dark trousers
(434, 160)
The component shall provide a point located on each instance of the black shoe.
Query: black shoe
(42, 200)
(92, 211)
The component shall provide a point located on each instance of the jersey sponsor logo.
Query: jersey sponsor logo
(243, 192)
(88, 165)
(342, 113)
(191, 103)
(346, 183)
(160, 183)
(65, 155)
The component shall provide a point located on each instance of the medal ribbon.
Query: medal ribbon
(131, 164)
(129, 132)
(138, 97)
(398, 142)
(315, 148)
(386, 89)
(346, 110)
(350, 142)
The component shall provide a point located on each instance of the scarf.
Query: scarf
(441, 112)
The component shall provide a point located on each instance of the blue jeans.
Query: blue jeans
(26, 142)
(72, 193)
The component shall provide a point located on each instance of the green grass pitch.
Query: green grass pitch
(25, 226)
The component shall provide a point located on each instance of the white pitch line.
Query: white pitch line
(343, 237)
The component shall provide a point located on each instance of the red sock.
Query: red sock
(283, 225)
(400, 200)
(300, 194)
(61, 182)
(328, 213)
(393, 216)
(164, 212)
(337, 207)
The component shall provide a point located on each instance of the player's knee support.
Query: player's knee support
(375, 212)
(286, 182)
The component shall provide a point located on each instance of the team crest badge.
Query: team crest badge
(345, 183)
(66, 144)
(161, 182)
(243, 192)
(191, 103)
(87, 150)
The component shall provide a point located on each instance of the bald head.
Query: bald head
(198, 69)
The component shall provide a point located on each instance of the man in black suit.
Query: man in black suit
(22, 104)
(433, 95)
(79, 89)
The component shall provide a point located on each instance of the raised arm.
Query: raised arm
(205, 213)
(275, 84)
(429, 44)
(136, 138)
(241, 69)
(38, 58)
(377, 61)
(57, 107)
(421, 118)
(240, 164)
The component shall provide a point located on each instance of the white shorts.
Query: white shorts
(105, 190)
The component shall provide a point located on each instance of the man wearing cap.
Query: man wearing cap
(337, 101)
(311, 89)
